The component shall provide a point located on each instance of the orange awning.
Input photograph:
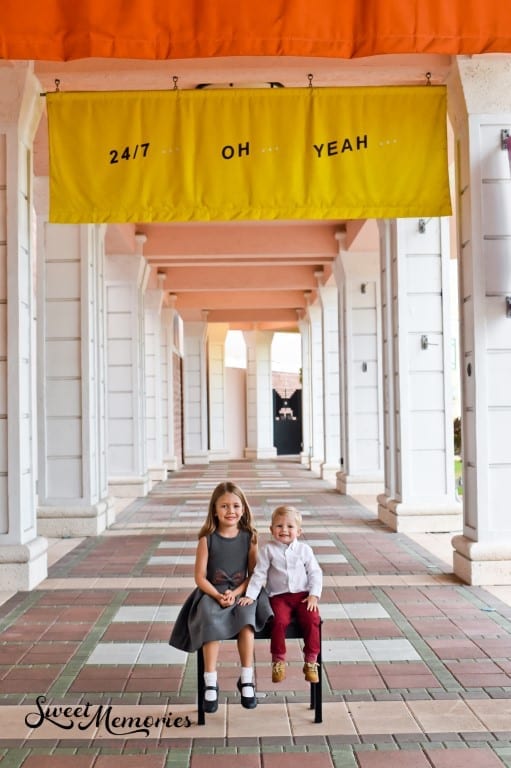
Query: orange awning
(164, 29)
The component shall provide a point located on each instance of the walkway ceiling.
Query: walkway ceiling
(253, 274)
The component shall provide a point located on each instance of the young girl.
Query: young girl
(225, 557)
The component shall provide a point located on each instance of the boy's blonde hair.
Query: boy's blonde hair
(284, 510)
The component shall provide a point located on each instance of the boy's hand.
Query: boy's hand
(312, 602)
(245, 601)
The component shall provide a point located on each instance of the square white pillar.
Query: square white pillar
(419, 493)
(195, 393)
(126, 279)
(73, 489)
(357, 274)
(153, 384)
(23, 553)
(259, 396)
(480, 110)
(316, 357)
(218, 449)
(171, 388)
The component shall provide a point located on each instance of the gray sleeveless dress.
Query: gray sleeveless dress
(201, 619)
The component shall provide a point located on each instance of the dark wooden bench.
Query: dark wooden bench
(293, 633)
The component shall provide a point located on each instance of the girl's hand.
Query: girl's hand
(312, 602)
(227, 598)
(245, 601)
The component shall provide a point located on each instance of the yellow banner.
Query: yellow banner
(201, 155)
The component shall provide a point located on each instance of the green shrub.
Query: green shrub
(457, 436)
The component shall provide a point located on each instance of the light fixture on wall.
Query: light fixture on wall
(426, 343)
(505, 143)
(422, 225)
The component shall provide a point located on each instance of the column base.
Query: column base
(157, 474)
(420, 518)
(482, 564)
(329, 472)
(129, 487)
(305, 459)
(261, 453)
(316, 464)
(219, 454)
(359, 485)
(66, 521)
(172, 464)
(23, 566)
(196, 458)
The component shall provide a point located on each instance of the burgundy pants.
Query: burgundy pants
(286, 607)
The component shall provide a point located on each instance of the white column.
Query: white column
(318, 442)
(126, 279)
(259, 396)
(389, 352)
(329, 301)
(305, 336)
(73, 491)
(218, 448)
(153, 385)
(195, 393)
(420, 494)
(480, 105)
(357, 275)
(23, 554)
(170, 390)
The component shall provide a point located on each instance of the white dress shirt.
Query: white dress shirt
(286, 568)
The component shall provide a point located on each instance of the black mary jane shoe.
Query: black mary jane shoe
(211, 705)
(249, 702)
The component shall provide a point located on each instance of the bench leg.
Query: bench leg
(201, 720)
(316, 689)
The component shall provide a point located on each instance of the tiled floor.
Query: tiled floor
(417, 667)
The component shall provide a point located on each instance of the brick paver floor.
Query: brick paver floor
(417, 666)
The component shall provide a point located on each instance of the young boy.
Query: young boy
(293, 579)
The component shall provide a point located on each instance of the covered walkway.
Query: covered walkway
(417, 665)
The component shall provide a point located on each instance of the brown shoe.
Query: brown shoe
(310, 669)
(278, 671)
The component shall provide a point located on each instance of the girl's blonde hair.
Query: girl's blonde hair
(246, 522)
(284, 510)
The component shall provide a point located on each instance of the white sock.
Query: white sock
(247, 676)
(210, 678)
